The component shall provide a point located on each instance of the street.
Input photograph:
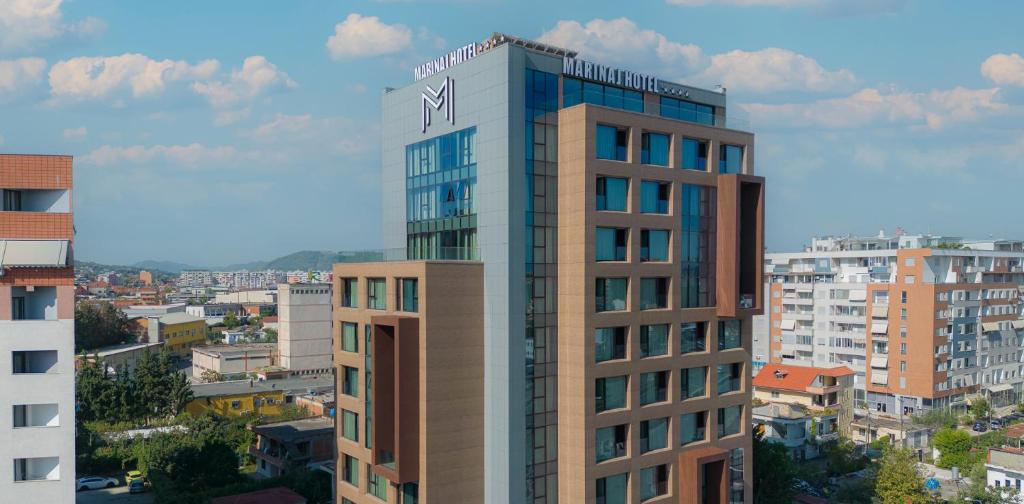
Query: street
(118, 495)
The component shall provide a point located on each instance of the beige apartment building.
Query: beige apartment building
(563, 308)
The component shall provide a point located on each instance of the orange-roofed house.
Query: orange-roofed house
(803, 407)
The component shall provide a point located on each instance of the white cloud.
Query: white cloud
(76, 133)
(338, 135)
(362, 36)
(1005, 69)
(104, 77)
(773, 69)
(622, 42)
(226, 117)
(871, 106)
(18, 74)
(256, 78)
(191, 156)
(24, 23)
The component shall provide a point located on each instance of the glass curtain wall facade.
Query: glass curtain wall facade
(541, 281)
(440, 189)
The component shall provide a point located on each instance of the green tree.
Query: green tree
(99, 324)
(773, 473)
(953, 446)
(95, 392)
(231, 320)
(899, 480)
(980, 408)
(270, 335)
(843, 457)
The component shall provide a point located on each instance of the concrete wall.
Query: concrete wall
(304, 326)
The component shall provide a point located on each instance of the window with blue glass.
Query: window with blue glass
(610, 244)
(697, 256)
(611, 142)
(612, 194)
(654, 148)
(695, 154)
(654, 340)
(730, 159)
(689, 111)
(610, 294)
(654, 245)
(653, 293)
(729, 334)
(440, 188)
(575, 91)
(654, 197)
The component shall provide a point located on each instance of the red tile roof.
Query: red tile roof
(276, 495)
(795, 378)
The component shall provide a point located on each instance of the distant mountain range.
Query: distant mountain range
(306, 260)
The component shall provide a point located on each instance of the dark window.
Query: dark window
(693, 382)
(654, 340)
(611, 442)
(692, 427)
(729, 335)
(695, 154)
(575, 91)
(410, 295)
(349, 337)
(687, 111)
(610, 294)
(350, 381)
(653, 293)
(731, 159)
(693, 337)
(612, 142)
(612, 489)
(612, 194)
(610, 244)
(653, 387)
(610, 393)
(350, 292)
(729, 420)
(729, 376)
(609, 343)
(653, 434)
(654, 245)
(653, 482)
(698, 246)
(654, 197)
(12, 200)
(654, 149)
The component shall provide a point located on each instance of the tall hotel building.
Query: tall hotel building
(564, 312)
(37, 311)
(925, 321)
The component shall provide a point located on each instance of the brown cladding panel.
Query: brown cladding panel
(396, 398)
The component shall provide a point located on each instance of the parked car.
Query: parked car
(95, 482)
(996, 423)
(138, 486)
(980, 427)
(133, 476)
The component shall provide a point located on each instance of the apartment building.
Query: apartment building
(925, 321)
(616, 226)
(37, 354)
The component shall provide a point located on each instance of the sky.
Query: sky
(221, 132)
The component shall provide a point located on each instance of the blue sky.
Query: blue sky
(219, 132)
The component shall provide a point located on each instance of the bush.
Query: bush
(953, 446)
(881, 443)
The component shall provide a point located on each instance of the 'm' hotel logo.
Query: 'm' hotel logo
(442, 99)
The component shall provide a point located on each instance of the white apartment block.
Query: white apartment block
(304, 338)
(37, 353)
(925, 321)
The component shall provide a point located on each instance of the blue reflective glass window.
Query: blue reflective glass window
(695, 154)
(633, 101)
(610, 244)
(687, 111)
(654, 197)
(613, 97)
(593, 93)
(730, 159)
(654, 245)
(612, 194)
(654, 149)
(606, 141)
(572, 92)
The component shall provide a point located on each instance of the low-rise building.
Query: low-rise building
(796, 427)
(113, 357)
(317, 404)
(232, 359)
(214, 310)
(1005, 469)
(257, 397)
(178, 331)
(145, 311)
(248, 297)
(285, 446)
(815, 389)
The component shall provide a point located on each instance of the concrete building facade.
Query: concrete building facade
(925, 321)
(608, 211)
(37, 352)
(304, 327)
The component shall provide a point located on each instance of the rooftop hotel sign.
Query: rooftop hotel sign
(582, 69)
(460, 55)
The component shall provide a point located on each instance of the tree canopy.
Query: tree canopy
(773, 473)
(899, 480)
(154, 389)
(99, 324)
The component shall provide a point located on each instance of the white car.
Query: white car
(95, 482)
